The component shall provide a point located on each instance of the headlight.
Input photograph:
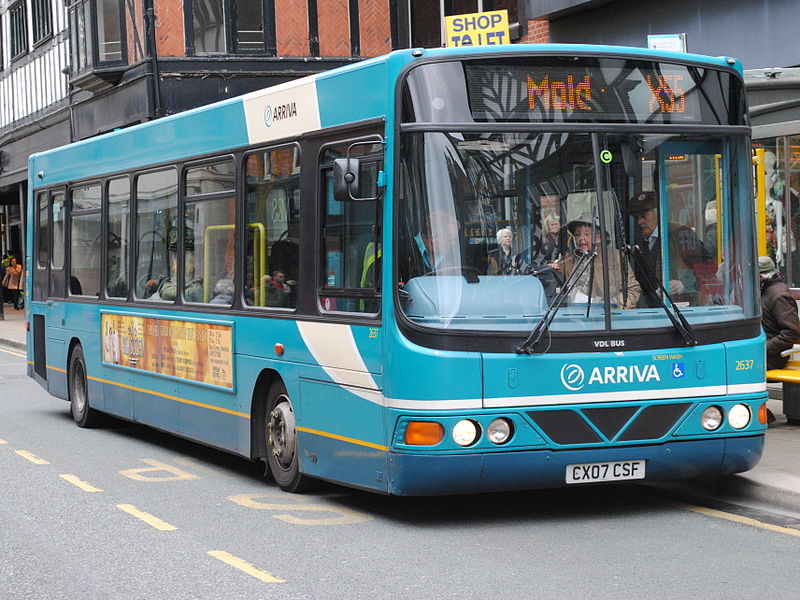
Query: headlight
(499, 431)
(711, 418)
(466, 432)
(739, 416)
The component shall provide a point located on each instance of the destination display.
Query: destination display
(582, 89)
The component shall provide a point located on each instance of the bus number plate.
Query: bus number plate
(607, 471)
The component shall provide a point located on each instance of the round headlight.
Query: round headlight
(711, 418)
(499, 431)
(739, 416)
(466, 432)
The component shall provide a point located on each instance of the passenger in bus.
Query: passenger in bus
(223, 292)
(150, 288)
(119, 289)
(278, 289)
(685, 253)
(551, 248)
(590, 282)
(502, 261)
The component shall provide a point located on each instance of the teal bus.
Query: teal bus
(437, 271)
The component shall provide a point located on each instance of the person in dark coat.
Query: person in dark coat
(685, 253)
(778, 313)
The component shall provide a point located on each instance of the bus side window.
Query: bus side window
(273, 227)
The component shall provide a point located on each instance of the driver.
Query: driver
(593, 276)
(439, 243)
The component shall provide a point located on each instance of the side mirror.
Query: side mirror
(345, 179)
(348, 183)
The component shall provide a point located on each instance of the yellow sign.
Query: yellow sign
(201, 352)
(477, 29)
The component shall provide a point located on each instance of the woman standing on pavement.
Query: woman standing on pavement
(12, 281)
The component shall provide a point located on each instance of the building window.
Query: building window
(231, 27)
(109, 32)
(42, 19)
(209, 27)
(80, 23)
(249, 26)
(18, 21)
(95, 33)
(425, 19)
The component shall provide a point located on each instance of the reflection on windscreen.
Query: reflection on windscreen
(495, 229)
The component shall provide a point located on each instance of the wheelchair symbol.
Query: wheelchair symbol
(678, 370)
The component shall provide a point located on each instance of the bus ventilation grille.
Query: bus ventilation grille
(603, 425)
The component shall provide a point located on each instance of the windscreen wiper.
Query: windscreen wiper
(544, 323)
(654, 285)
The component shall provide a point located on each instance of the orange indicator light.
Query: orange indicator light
(279, 349)
(424, 433)
(762, 414)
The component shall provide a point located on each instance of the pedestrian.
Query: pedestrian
(778, 316)
(12, 280)
(778, 313)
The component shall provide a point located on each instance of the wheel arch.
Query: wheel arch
(258, 412)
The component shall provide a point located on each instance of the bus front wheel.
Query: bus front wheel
(281, 436)
(83, 414)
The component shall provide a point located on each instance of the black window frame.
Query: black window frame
(18, 30)
(243, 202)
(185, 200)
(136, 237)
(230, 28)
(360, 294)
(72, 213)
(42, 21)
(105, 216)
(85, 56)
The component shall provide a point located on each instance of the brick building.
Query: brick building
(72, 69)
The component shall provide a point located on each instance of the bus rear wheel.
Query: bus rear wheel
(78, 389)
(281, 438)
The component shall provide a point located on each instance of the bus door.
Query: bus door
(341, 394)
(48, 273)
(693, 184)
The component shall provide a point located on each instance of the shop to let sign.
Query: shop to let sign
(477, 29)
(201, 352)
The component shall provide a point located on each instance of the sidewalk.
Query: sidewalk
(12, 327)
(774, 482)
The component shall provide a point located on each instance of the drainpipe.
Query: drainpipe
(152, 54)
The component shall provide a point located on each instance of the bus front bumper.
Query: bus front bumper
(435, 474)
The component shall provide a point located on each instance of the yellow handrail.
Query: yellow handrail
(761, 201)
(259, 261)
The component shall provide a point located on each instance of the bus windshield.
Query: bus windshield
(494, 228)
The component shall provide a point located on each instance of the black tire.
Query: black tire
(78, 389)
(281, 441)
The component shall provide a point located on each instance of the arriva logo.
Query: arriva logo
(573, 377)
(279, 112)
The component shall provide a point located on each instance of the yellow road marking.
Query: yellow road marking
(244, 566)
(86, 487)
(14, 353)
(157, 466)
(710, 512)
(343, 438)
(3, 442)
(32, 457)
(146, 517)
